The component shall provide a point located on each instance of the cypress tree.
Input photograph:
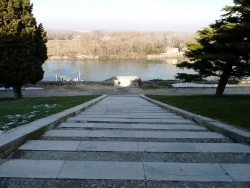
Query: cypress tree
(223, 49)
(22, 45)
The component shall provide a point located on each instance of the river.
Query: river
(99, 70)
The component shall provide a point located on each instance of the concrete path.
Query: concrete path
(126, 141)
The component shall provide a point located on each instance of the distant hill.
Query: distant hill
(113, 44)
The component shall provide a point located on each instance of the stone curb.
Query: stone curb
(12, 139)
(234, 133)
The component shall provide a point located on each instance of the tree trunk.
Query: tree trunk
(223, 80)
(17, 92)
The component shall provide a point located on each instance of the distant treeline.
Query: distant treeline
(112, 45)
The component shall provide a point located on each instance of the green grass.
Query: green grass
(232, 109)
(14, 113)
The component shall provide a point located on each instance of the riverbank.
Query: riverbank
(96, 57)
(76, 90)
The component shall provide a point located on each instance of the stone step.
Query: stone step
(130, 134)
(134, 113)
(134, 116)
(128, 142)
(179, 120)
(138, 139)
(158, 147)
(127, 112)
(52, 169)
(134, 126)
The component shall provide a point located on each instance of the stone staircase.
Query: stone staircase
(126, 141)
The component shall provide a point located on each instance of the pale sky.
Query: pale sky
(128, 15)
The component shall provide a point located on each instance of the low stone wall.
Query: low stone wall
(74, 83)
(110, 82)
(101, 83)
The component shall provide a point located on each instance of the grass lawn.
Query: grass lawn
(14, 113)
(231, 109)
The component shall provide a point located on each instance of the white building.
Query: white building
(126, 81)
(171, 51)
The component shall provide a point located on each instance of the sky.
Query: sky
(128, 15)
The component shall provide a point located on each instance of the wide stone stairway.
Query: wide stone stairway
(126, 141)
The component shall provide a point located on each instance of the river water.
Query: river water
(99, 70)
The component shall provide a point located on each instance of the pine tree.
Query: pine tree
(22, 45)
(223, 49)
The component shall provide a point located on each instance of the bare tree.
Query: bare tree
(111, 45)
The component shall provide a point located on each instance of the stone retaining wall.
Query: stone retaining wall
(101, 83)
(110, 82)
(75, 83)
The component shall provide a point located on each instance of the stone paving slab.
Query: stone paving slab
(193, 147)
(134, 134)
(156, 134)
(138, 113)
(239, 172)
(115, 118)
(50, 145)
(112, 134)
(125, 170)
(130, 114)
(45, 145)
(171, 121)
(108, 146)
(103, 116)
(200, 135)
(185, 172)
(133, 126)
(131, 134)
(119, 120)
(129, 111)
(187, 127)
(97, 125)
(134, 116)
(176, 134)
(223, 147)
(167, 147)
(102, 170)
(79, 119)
(31, 168)
(66, 133)
(112, 126)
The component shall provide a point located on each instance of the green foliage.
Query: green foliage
(232, 109)
(15, 113)
(223, 49)
(22, 45)
(188, 77)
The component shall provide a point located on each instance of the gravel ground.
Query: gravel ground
(181, 157)
(41, 183)
(99, 90)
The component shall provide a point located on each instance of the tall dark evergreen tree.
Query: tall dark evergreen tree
(22, 45)
(223, 49)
